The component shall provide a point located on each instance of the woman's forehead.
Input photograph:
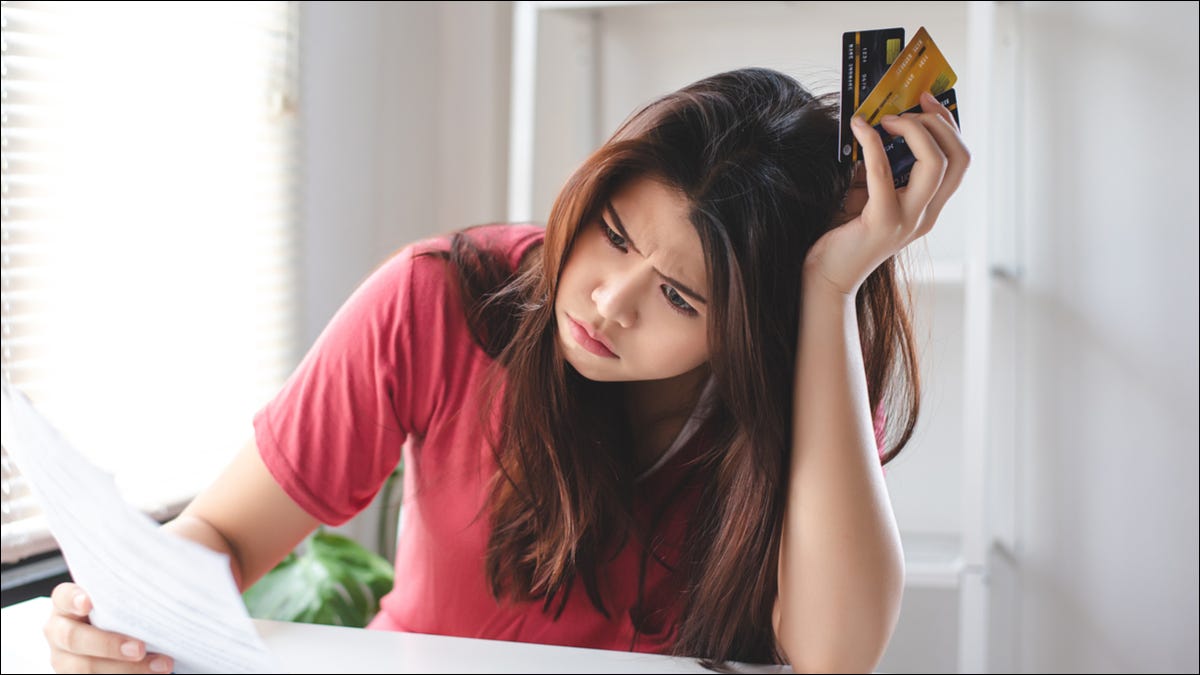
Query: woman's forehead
(656, 219)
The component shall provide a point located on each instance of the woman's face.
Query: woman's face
(631, 299)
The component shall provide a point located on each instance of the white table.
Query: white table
(307, 648)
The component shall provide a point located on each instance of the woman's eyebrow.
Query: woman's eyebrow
(674, 282)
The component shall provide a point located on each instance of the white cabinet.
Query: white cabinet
(580, 67)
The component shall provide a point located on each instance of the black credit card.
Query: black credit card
(866, 56)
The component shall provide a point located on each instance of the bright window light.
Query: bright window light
(149, 235)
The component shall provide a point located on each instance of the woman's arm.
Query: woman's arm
(247, 515)
(841, 567)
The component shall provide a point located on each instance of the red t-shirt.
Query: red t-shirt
(397, 364)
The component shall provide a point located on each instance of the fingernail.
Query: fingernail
(80, 601)
(928, 97)
(858, 121)
(160, 665)
(131, 649)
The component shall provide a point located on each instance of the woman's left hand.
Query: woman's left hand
(891, 219)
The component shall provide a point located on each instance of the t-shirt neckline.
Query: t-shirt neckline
(699, 413)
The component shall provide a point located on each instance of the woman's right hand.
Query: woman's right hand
(76, 646)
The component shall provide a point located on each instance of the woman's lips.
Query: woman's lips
(585, 340)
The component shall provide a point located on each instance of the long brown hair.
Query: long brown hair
(755, 155)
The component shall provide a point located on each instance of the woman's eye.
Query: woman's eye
(615, 240)
(677, 301)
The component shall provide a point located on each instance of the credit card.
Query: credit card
(920, 67)
(866, 56)
(899, 155)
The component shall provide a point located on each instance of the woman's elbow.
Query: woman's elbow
(851, 640)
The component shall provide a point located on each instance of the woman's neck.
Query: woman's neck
(658, 409)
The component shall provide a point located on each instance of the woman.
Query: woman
(647, 427)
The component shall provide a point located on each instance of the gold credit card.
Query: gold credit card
(919, 68)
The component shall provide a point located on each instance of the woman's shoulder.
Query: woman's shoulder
(422, 266)
(509, 240)
(423, 283)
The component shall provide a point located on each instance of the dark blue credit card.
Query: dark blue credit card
(899, 155)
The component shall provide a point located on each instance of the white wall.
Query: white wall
(404, 109)
(1108, 521)
(404, 123)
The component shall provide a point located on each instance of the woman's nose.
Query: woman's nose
(616, 298)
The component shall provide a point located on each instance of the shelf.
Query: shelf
(932, 561)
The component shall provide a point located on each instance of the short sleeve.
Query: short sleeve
(334, 432)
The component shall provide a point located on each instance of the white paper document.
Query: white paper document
(176, 595)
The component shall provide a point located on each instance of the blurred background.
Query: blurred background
(191, 190)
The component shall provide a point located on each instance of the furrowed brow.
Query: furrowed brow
(683, 288)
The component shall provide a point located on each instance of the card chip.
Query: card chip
(893, 49)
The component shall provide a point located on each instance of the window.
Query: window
(150, 229)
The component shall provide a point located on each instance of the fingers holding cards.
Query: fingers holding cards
(905, 149)
(899, 155)
(943, 130)
(882, 198)
(939, 161)
(880, 79)
(944, 106)
(929, 166)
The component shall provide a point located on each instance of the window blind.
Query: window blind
(150, 223)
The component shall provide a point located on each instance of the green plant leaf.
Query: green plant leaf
(335, 581)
